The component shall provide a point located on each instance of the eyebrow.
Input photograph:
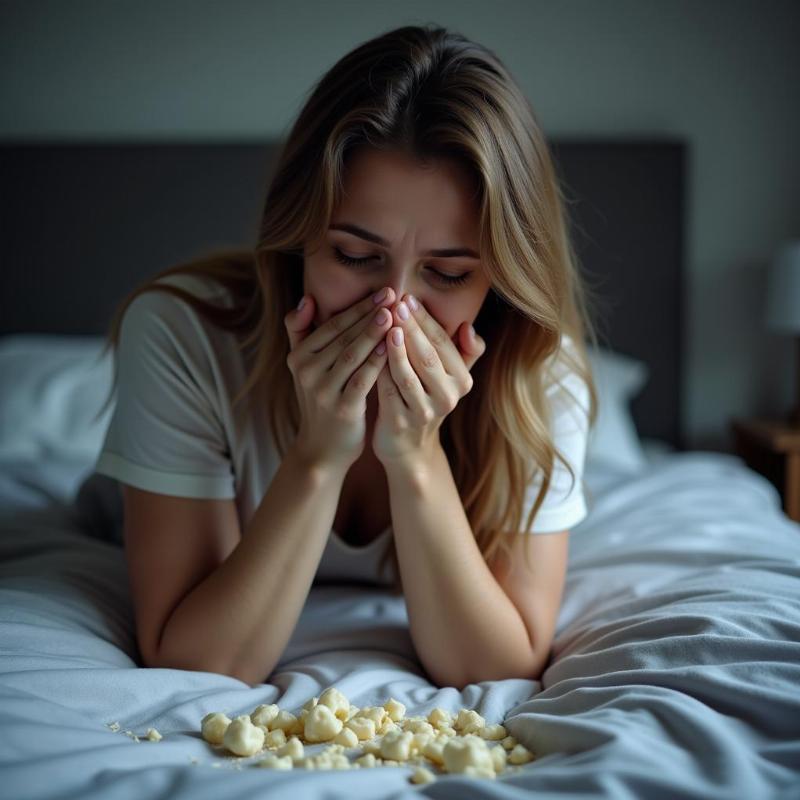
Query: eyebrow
(445, 252)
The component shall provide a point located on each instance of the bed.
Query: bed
(675, 669)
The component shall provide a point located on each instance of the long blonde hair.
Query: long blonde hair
(429, 92)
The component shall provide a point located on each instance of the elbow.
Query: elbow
(252, 677)
(529, 668)
(445, 677)
(148, 656)
(160, 660)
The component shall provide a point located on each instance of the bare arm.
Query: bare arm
(211, 597)
(464, 625)
(239, 619)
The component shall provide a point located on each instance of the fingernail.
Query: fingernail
(402, 311)
(472, 331)
(412, 301)
(380, 317)
(301, 303)
(378, 296)
(381, 348)
(397, 336)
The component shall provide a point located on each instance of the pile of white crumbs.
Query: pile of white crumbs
(381, 736)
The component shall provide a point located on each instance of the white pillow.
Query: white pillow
(51, 388)
(614, 438)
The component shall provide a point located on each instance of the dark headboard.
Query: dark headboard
(83, 224)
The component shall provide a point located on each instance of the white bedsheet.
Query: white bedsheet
(675, 670)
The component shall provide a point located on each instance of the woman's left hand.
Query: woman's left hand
(425, 377)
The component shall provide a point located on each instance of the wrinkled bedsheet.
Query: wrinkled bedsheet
(675, 669)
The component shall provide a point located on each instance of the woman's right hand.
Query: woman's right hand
(334, 367)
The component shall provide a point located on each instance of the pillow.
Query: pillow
(614, 438)
(51, 388)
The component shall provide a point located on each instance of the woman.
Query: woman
(282, 413)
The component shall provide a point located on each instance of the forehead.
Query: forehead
(390, 188)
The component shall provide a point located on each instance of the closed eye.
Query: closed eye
(451, 280)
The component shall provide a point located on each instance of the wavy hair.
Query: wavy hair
(429, 92)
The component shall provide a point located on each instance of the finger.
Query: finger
(425, 334)
(471, 345)
(352, 355)
(455, 360)
(363, 379)
(298, 321)
(442, 388)
(333, 353)
(404, 375)
(340, 323)
(390, 400)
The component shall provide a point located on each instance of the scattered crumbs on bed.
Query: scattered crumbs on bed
(234, 761)
(152, 733)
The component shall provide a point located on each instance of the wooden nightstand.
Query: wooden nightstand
(772, 448)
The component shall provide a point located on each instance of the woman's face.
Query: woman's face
(404, 210)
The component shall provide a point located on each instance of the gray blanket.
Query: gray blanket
(675, 670)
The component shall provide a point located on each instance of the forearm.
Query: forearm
(240, 618)
(464, 626)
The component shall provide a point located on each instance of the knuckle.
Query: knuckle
(438, 338)
(450, 401)
(408, 383)
(466, 384)
(359, 382)
(346, 338)
(392, 391)
(430, 358)
(348, 357)
(338, 323)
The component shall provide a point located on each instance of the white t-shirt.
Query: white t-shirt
(173, 430)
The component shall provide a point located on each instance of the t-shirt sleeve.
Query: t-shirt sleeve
(564, 504)
(165, 434)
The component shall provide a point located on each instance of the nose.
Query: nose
(398, 287)
(399, 290)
